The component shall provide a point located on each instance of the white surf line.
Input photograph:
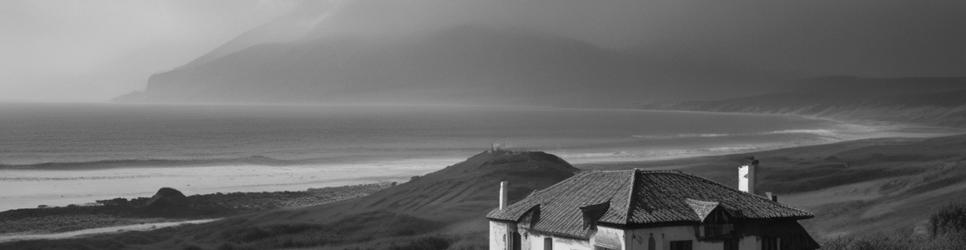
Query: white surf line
(100, 230)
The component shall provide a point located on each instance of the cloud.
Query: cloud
(98, 49)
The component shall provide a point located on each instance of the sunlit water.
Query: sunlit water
(63, 154)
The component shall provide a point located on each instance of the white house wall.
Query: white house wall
(498, 232)
(637, 239)
(535, 242)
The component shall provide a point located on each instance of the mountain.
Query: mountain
(553, 52)
(464, 64)
(923, 100)
(286, 28)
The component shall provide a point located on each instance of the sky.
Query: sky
(94, 50)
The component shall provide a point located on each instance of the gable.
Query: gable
(573, 207)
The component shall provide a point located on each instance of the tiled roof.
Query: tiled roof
(638, 198)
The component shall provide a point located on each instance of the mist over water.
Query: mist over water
(48, 150)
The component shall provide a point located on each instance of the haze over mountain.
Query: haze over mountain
(566, 52)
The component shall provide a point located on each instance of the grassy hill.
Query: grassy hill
(856, 188)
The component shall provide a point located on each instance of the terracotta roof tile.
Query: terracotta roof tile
(638, 197)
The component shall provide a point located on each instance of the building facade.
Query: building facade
(646, 210)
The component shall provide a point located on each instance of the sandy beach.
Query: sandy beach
(95, 231)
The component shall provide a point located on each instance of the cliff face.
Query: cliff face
(933, 101)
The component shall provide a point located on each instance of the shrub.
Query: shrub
(951, 219)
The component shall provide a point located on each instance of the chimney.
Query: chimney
(771, 196)
(748, 175)
(503, 195)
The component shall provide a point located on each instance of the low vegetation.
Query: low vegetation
(947, 231)
(120, 211)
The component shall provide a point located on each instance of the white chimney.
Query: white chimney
(503, 195)
(771, 196)
(747, 175)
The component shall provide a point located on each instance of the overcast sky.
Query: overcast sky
(93, 50)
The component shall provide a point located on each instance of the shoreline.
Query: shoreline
(676, 163)
(5, 238)
(414, 166)
(862, 122)
(629, 151)
(843, 132)
(673, 163)
(141, 214)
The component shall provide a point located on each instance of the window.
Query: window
(548, 243)
(718, 230)
(603, 248)
(770, 243)
(514, 242)
(731, 244)
(680, 245)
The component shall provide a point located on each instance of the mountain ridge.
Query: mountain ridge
(466, 64)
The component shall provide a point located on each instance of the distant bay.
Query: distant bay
(57, 154)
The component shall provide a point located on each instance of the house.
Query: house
(647, 210)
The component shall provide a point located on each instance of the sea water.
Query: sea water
(58, 154)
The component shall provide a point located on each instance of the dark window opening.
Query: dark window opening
(515, 241)
(548, 243)
(680, 245)
(718, 230)
(770, 243)
(731, 244)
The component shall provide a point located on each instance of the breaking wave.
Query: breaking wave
(253, 160)
(818, 132)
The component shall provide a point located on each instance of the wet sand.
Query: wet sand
(102, 230)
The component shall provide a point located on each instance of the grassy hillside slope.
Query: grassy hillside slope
(854, 188)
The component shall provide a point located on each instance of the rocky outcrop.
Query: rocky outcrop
(167, 198)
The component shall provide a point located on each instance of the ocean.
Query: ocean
(58, 154)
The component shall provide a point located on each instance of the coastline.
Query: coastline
(120, 215)
(868, 135)
(258, 173)
(4, 238)
(720, 166)
(882, 129)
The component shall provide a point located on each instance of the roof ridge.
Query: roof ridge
(659, 171)
(630, 196)
(739, 191)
